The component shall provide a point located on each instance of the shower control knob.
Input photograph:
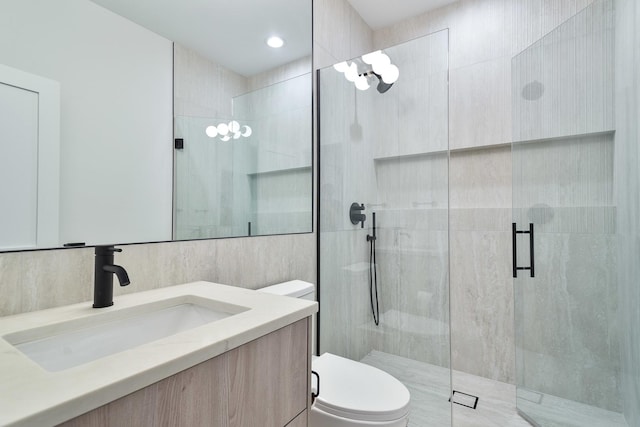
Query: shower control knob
(355, 214)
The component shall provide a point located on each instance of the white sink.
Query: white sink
(68, 344)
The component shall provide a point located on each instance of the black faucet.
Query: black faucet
(104, 271)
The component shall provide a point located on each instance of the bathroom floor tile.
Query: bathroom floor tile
(430, 391)
(496, 407)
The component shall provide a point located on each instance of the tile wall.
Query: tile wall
(627, 178)
(42, 279)
(484, 37)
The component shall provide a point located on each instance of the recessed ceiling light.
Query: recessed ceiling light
(275, 42)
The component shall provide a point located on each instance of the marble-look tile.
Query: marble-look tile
(552, 411)
(43, 279)
(203, 88)
(361, 40)
(496, 403)
(484, 36)
(412, 183)
(532, 19)
(627, 177)
(430, 387)
(481, 179)
(417, 26)
(340, 31)
(37, 280)
(478, 32)
(565, 185)
(331, 20)
(480, 104)
(482, 334)
(322, 58)
(573, 67)
(415, 110)
(481, 219)
(569, 340)
(344, 294)
(279, 74)
(480, 197)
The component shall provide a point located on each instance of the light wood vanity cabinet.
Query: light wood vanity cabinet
(262, 383)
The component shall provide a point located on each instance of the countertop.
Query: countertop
(32, 396)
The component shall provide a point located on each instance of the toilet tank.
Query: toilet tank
(297, 289)
(293, 288)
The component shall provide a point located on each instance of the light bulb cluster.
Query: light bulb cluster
(381, 67)
(227, 131)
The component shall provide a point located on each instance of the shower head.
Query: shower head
(378, 64)
(382, 86)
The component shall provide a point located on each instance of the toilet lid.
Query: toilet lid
(357, 391)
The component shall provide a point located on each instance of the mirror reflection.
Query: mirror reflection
(93, 94)
(248, 173)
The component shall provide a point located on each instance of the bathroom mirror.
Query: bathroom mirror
(104, 111)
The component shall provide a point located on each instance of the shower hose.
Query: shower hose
(373, 274)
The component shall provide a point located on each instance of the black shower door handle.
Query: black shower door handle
(514, 233)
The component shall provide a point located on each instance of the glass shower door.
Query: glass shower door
(566, 302)
(386, 149)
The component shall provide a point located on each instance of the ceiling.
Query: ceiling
(383, 13)
(229, 32)
(233, 32)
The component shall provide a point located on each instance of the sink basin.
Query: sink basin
(68, 344)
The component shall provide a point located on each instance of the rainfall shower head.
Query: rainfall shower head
(382, 86)
(375, 64)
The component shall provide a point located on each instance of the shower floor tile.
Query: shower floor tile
(553, 411)
(430, 407)
(429, 387)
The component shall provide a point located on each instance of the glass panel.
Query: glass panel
(277, 163)
(249, 174)
(567, 341)
(204, 185)
(388, 151)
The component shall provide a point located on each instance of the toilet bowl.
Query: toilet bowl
(351, 394)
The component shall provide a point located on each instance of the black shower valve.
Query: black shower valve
(355, 214)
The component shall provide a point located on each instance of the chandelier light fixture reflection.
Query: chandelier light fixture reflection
(377, 65)
(227, 131)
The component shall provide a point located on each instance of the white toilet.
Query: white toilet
(351, 393)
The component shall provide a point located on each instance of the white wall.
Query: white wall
(116, 115)
(19, 163)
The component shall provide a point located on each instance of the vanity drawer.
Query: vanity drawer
(264, 382)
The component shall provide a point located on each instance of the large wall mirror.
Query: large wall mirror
(140, 121)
